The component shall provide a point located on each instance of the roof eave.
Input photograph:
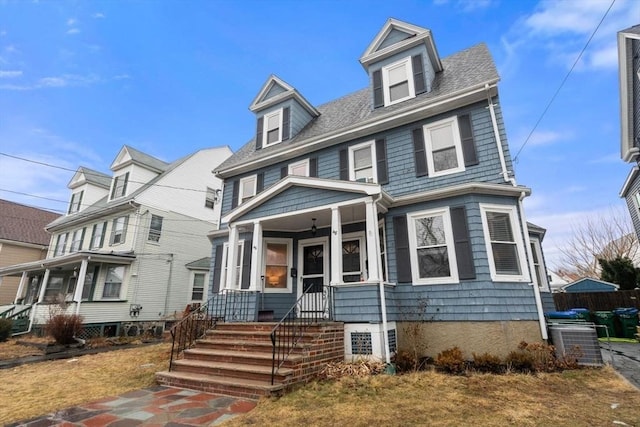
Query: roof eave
(628, 152)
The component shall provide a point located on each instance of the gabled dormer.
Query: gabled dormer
(281, 112)
(402, 61)
(87, 187)
(131, 170)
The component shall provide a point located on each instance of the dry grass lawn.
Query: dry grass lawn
(40, 388)
(572, 398)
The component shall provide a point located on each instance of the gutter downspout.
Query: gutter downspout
(166, 298)
(496, 131)
(536, 289)
(383, 300)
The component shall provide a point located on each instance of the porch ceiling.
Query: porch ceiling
(303, 221)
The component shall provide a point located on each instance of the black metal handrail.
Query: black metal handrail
(228, 305)
(311, 308)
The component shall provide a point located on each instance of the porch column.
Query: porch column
(23, 281)
(77, 297)
(232, 258)
(43, 286)
(256, 255)
(373, 244)
(336, 246)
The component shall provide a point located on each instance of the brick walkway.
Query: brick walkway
(155, 406)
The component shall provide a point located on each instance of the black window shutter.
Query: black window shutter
(246, 262)
(217, 268)
(126, 181)
(344, 165)
(466, 138)
(418, 74)
(82, 238)
(235, 193)
(464, 256)
(259, 182)
(378, 98)
(104, 230)
(259, 133)
(381, 154)
(284, 171)
(313, 167)
(419, 152)
(403, 259)
(286, 126)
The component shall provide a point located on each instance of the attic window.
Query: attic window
(272, 127)
(119, 188)
(398, 85)
(76, 202)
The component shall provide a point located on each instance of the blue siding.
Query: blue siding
(275, 90)
(588, 285)
(548, 304)
(357, 304)
(393, 37)
(297, 198)
(299, 118)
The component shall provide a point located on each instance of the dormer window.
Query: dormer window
(273, 128)
(398, 81)
(119, 188)
(76, 202)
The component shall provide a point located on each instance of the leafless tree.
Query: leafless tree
(604, 236)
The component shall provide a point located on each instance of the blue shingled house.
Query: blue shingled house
(391, 205)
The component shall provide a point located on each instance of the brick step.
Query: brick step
(235, 387)
(249, 335)
(231, 370)
(241, 345)
(241, 357)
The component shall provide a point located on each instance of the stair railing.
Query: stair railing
(21, 320)
(227, 306)
(311, 308)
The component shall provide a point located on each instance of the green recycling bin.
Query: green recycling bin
(628, 322)
(605, 318)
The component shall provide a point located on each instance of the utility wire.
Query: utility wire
(515, 159)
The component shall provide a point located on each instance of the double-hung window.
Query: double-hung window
(113, 282)
(247, 188)
(155, 228)
(76, 202)
(278, 257)
(398, 81)
(97, 235)
(119, 188)
(61, 244)
(273, 128)
(505, 248)
(210, 198)
(197, 288)
(538, 266)
(226, 269)
(353, 259)
(444, 148)
(76, 240)
(300, 168)
(119, 230)
(362, 164)
(432, 252)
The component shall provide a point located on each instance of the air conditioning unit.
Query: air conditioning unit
(577, 340)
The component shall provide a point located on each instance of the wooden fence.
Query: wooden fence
(597, 301)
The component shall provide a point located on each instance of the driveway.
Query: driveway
(625, 358)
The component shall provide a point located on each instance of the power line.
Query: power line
(515, 159)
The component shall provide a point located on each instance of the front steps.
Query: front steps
(235, 359)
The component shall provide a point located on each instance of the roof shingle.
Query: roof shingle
(21, 223)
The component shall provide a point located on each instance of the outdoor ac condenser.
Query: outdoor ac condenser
(580, 341)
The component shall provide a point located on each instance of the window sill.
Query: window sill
(441, 281)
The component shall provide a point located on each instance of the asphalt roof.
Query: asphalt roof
(462, 70)
(21, 223)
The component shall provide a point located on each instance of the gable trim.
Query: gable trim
(627, 182)
(290, 92)
(460, 189)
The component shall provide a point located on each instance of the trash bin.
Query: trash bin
(583, 313)
(569, 314)
(628, 321)
(605, 318)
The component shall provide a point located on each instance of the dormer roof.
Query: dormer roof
(89, 176)
(129, 155)
(274, 91)
(397, 36)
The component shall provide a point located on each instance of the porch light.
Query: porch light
(314, 229)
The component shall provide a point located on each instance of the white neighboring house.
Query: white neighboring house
(556, 282)
(131, 245)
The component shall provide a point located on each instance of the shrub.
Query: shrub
(5, 329)
(407, 362)
(451, 361)
(520, 361)
(487, 363)
(64, 327)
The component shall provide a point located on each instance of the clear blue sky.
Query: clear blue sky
(79, 79)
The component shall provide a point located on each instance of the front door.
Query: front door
(313, 261)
